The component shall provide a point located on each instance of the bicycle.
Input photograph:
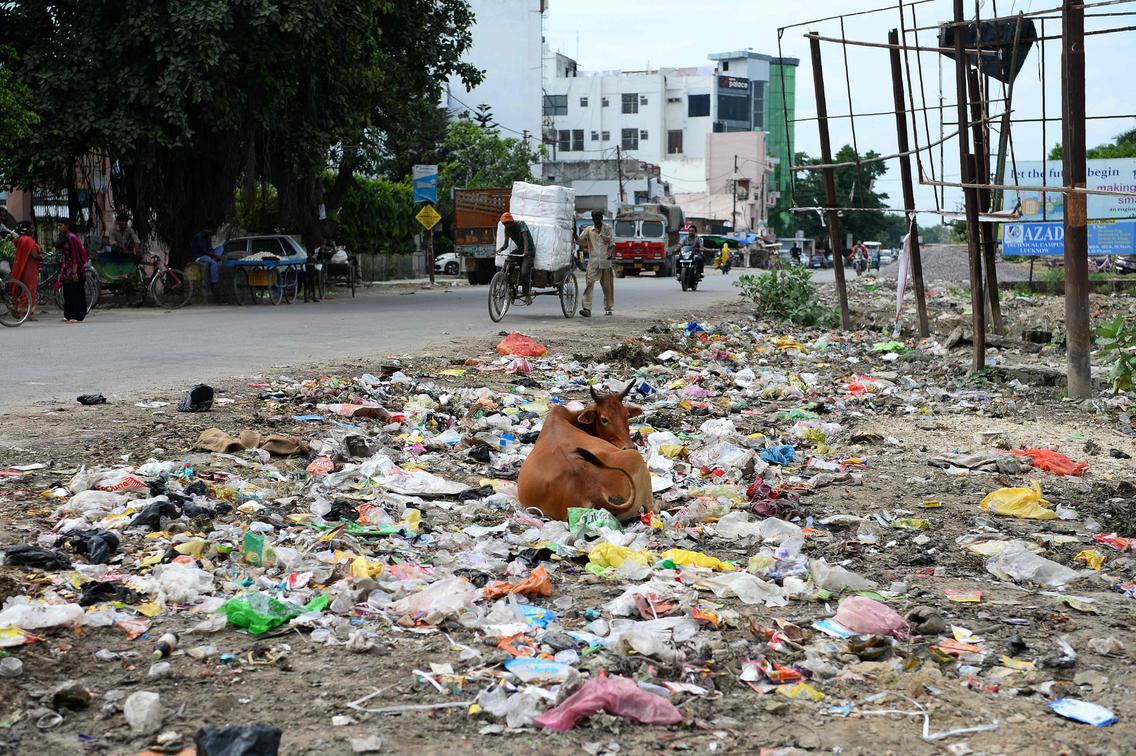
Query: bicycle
(169, 287)
(15, 303)
(49, 276)
(505, 288)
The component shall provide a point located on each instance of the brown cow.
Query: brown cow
(586, 459)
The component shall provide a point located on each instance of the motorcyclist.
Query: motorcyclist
(694, 243)
(795, 255)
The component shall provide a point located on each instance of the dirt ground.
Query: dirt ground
(304, 687)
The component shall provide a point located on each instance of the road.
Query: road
(149, 353)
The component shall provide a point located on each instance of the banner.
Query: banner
(425, 180)
(1117, 175)
(1048, 239)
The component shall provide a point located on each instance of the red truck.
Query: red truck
(476, 213)
(646, 238)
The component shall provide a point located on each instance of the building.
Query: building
(670, 117)
(507, 44)
(598, 182)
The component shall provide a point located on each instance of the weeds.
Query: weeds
(1117, 342)
(788, 294)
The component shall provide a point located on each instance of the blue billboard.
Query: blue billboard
(1048, 239)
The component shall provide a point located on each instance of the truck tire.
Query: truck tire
(473, 277)
(485, 275)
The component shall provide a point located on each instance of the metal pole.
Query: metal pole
(982, 176)
(734, 212)
(1004, 129)
(829, 184)
(908, 187)
(430, 252)
(966, 167)
(1077, 337)
(619, 169)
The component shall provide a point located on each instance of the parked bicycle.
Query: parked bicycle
(15, 303)
(169, 288)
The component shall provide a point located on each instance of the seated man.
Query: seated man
(124, 242)
(518, 233)
(201, 249)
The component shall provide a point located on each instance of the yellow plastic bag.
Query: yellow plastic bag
(695, 559)
(609, 555)
(1023, 503)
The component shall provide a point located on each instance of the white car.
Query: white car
(448, 263)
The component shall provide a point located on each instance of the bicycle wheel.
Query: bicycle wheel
(93, 287)
(499, 299)
(290, 282)
(242, 293)
(15, 301)
(569, 291)
(274, 292)
(171, 289)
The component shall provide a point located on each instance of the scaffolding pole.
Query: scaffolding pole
(982, 176)
(1077, 336)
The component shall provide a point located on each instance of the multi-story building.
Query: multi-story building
(670, 117)
(507, 40)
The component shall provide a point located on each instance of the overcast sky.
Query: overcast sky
(622, 34)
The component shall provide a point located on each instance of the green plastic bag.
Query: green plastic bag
(583, 521)
(258, 612)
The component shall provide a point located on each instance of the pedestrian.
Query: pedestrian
(25, 268)
(599, 239)
(518, 233)
(72, 274)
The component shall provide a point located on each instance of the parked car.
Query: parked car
(448, 263)
(820, 259)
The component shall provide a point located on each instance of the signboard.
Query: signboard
(1117, 175)
(425, 181)
(1048, 239)
(428, 217)
(730, 82)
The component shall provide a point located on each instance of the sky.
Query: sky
(622, 34)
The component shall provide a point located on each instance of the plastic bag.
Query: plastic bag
(197, 399)
(1023, 503)
(23, 555)
(445, 598)
(1017, 562)
(610, 555)
(521, 345)
(685, 558)
(833, 577)
(182, 584)
(1053, 461)
(749, 588)
(26, 615)
(779, 455)
(619, 696)
(238, 740)
(259, 612)
(868, 616)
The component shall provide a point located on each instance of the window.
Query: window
(733, 108)
(698, 106)
(674, 100)
(642, 136)
(631, 103)
(674, 142)
(583, 102)
(555, 105)
(270, 246)
(630, 139)
(624, 228)
(595, 136)
(759, 105)
(570, 141)
(725, 65)
(642, 99)
(652, 230)
(603, 102)
(606, 136)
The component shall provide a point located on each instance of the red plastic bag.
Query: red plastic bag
(521, 345)
(864, 615)
(1053, 461)
(619, 696)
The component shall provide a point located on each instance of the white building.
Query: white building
(507, 47)
(669, 117)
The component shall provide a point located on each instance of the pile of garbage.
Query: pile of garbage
(813, 546)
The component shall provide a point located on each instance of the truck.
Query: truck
(646, 239)
(476, 214)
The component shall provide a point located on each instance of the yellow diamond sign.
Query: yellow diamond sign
(428, 217)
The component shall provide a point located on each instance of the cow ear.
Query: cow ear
(633, 411)
(587, 417)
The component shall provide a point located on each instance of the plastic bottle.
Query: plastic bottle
(165, 646)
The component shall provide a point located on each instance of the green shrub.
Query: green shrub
(788, 294)
(1117, 342)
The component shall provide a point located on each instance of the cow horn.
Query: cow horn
(595, 396)
(627, 390)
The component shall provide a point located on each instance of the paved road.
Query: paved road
(149, 352)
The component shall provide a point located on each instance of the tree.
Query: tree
(200, 96)
(1123, 146)
(854, 189)
(483, 116)
(476, 157)
(16, 116)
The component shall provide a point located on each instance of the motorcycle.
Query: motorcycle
(687, 269)
(726, 264)
(860, 264)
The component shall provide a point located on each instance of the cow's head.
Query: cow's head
(607, 418)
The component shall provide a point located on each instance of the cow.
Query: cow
(587, 459)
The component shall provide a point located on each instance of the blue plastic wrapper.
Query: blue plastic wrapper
(1083, 711)
(778, 455)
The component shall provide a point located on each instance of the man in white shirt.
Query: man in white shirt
(599, 240)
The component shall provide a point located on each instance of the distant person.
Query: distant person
(124, 242)
(25, 266)
(72, 274)
(201, 249)
(599, 239)
(694, 241)
(518, 233)
(795, 255)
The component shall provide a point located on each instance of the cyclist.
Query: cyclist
(518, 233)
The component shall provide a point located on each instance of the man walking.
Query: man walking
(599, 240)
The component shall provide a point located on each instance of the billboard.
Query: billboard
(1048, 239)
(1117, 175)
(425, 183)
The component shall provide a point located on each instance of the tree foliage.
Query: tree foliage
(1124, 146)
(854, 189)
(16, 115)
(377, 217)
(477, 157)
(193, 98)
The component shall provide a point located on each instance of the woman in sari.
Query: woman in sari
(25, 267)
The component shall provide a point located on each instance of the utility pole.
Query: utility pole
(982, 176)
(966, 167)
(830, 184)
(619, 169)
(734, 212)
(905, 178)
(1077, 337)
